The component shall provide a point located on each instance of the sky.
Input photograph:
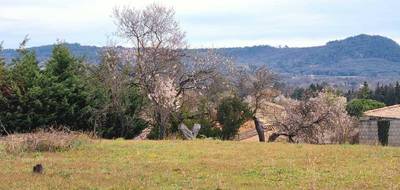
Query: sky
(207, 23)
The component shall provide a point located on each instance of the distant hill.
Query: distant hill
(361, 55)
(357, 58)
(89, 53)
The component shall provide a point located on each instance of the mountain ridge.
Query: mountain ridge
(362, 56)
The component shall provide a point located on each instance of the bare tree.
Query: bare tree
(161, 68)
(316, 120)
(22, 45)
(255, 83)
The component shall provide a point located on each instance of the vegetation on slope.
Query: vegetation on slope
(362, 55)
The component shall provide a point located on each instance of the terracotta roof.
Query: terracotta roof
(385, 112)
(265, 115)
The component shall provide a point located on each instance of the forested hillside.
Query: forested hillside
(43, 53)
(361, 55)
(349, 62)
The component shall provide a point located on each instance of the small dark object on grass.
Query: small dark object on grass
(38, 169)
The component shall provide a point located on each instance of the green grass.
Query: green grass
(205, 165)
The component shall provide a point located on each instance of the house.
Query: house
(247, 132)
(381, 126)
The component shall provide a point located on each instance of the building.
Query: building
(381, 126)
(266, 115)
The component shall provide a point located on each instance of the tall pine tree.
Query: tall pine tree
(397, 93)
(364, 92)
(20, 102)
(2, 72)
(65, 91)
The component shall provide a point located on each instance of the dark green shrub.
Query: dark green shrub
(232, 113)
(208, 130)
(357, 107)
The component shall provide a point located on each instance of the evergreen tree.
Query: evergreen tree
(2, 71)
(232, 113)
(66, 95)
(364, 92)
(350, 95)
(2, 65)
(298, 94)
(390, 98)
(389, 94)
(20, 102)
(397, 93)
(379, 93)
(312, 91)
(3, 87)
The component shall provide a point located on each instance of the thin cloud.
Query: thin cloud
(8, 19)
(207, 22)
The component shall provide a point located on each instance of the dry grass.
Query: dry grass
(43, 141)
(205, 165)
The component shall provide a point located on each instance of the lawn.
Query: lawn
(205, 164)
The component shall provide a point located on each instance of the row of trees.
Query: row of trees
(66, 92)
(154, 84)
(360, 100)
(32, 97)
(388, 93)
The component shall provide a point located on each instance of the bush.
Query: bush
(43, 141)
(232, 113)
(120, 126)
(357, 107)
(208, 130)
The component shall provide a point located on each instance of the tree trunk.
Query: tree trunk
(260, 129)
(122, 123)
(291, 139)
(274, 136)
(160, 124)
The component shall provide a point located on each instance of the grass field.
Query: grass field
(205, 165)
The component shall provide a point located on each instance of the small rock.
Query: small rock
(38, 169)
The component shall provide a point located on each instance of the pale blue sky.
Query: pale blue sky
(208, 23)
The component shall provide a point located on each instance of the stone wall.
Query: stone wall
(394, 133)
(369, 132)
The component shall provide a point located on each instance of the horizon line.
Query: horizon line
(212, 46)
